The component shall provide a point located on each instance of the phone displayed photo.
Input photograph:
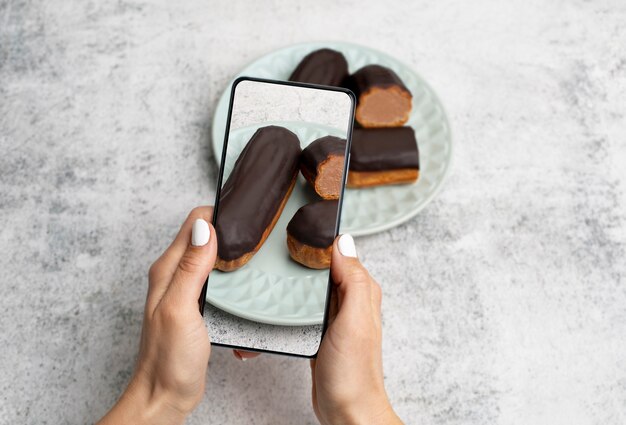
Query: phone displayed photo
(277, 212)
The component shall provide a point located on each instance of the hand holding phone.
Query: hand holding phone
(347, 375)
(170, 374)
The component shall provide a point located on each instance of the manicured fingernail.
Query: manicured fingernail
(346, 246)
(200, 233)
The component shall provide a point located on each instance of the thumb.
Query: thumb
(352, 280)
(195, 264)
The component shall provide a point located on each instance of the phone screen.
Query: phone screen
(277, 212)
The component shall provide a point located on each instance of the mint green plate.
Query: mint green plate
(264, 289)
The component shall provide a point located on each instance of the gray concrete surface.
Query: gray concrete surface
(504, 300)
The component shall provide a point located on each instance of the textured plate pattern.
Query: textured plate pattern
(271, 288)
(269, 298)
(368, 211)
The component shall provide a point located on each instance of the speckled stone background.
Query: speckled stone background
(504, 300)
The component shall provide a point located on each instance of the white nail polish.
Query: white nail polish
(346, 246)
(200, 233)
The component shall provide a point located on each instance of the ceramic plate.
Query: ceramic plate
(271, 287)
(367, 211)
(263, 290)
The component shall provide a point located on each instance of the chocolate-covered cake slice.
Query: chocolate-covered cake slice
(383, 99)
(311, 232)
(255, 194)
(322, 165)
(380, 156)
(324, 66)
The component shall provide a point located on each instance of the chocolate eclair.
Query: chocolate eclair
(380, 156)
(311, 232)
(324, 66)
(383, 99)
(322, 164)
(255, 194)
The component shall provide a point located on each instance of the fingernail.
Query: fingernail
(346, 246)
(200, 233)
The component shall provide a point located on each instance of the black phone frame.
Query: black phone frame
(202, 299)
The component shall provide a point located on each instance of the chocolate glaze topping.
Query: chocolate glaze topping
(379, 149)
(319, 150)
(255, 189)
(314, 224)
(373, 76)
(325, 66)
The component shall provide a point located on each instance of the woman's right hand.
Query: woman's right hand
(347, 374)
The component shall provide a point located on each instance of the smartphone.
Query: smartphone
(277, 211)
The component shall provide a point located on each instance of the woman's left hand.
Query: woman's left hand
(170, 374)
